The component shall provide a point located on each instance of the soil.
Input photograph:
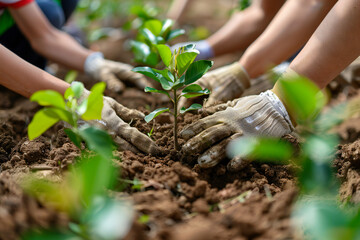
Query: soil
(183, 201)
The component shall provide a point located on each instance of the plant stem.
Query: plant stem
(176, 143)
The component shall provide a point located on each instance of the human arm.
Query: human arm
(26, 79)
(177, 9)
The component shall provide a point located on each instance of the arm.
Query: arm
(25, 79)
(288, 32)
(244, 27)
(177, 9)
(53, 44)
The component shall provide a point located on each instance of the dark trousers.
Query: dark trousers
(15, 41)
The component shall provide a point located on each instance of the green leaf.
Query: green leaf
(262, 149)
(76, 139)
(143, 53)
(78, 89)
(97, 140)
(71, 76)
(149, 89)
(189, 47)
(49, 234)
(166, 27)
(154, 26)
(149, 72)
(196, 70)
(155, 113)
(175, 33)
(95, 102)
(48, 98)
(59, 114)
(301, 96)
(179, 83)
(165, 53)
(194, 90)
(40, 123)
(69, 93)
(194, 106)
(166, 74)
(148, 35)
(184, 60)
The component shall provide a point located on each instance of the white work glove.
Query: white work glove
(113, 73)
(206, 52)
(257, 115)
(114, 118)
(225, 83)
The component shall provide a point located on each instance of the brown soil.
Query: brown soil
(183, 201)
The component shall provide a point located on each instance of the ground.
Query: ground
(182, 200)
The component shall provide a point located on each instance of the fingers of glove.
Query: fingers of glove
(124, 145)
(216, 154)
(138, 139)
(237, 164)
(219, 107)
(199, 126)
(112, 82)
(207, 139)
(125, 113)
(227, 91)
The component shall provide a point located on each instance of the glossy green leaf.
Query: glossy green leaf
(95, 102)
(73, 137)
(175, 33)
(71, 76)
(184, 60)
(78, 88)
(149, 89)
(166, 74)
(179, 83)
(141, 51)
(194, 106)
(149, 72)
(194, 90)
(154, 26)
(165, 53)
(69, 93)
(166, 27)
(40, 123)
(261, 149)
(301, 95)
(155, 113)
(196, 70)
(149, 36)
(59, 114)
(48, 98)
(189, 47)
(97, 140)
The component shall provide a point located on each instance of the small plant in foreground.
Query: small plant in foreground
(151, 34)
(179, 75)
(70, 110)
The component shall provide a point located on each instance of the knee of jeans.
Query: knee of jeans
(53, 12)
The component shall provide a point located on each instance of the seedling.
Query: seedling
(179, 75)
(151, 34)
(70, 110)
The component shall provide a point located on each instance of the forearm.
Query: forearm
(177, 9)
(24, 78)
(61, 48)
(334, 45)
(244, 27)
(288, 32)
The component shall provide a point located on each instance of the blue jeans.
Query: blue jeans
(15, 41)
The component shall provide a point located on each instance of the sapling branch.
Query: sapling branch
(180, 74)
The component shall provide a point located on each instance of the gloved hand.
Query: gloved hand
(225, 83)
(206, 52)
(114, 118)
(257, 115)
(113, 73)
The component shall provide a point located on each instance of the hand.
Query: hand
(114, 118)
(258, 115)
(113, 73)
(225, 83)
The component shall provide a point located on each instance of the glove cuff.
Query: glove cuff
(279, 106)
(240, 74)
(93, 63)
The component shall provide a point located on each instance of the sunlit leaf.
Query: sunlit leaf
(40, 123)
(196, 70)
(194, 90)
(165, 53)
(78, 89)
(149, 89)
(148, 35)
(194, 106)
(48, 98)
(59, 114)
(71, 76)
(175, 33)
(155, 113)
(154, 25)
(95, 102)
(184, 60)
(149, 72)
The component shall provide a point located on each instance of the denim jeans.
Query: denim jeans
(15, 41)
